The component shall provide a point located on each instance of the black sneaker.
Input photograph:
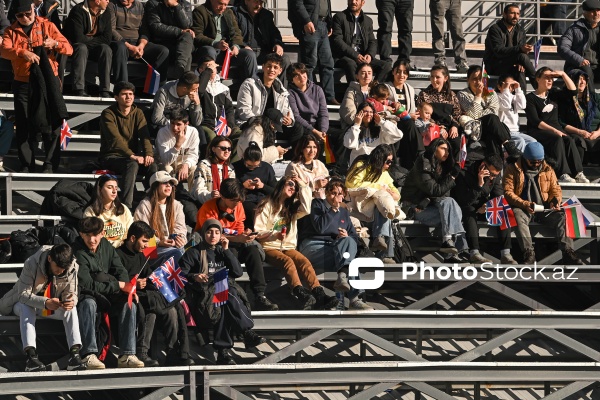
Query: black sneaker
(323, 301)
(306, 299)
(261, 303)
(252, 339)
(223, 358)
(34, 364)
(47, 169)
(512, 150)
(75, 363)
(454, 259)
(148, 362)
(448, 247)
(570, 257)
(529, 257)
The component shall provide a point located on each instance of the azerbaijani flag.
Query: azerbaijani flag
(152, 81)
(329, 155)
(48, 294)
(226, 64)
(574, 225)
(65, 135)
(485, 78)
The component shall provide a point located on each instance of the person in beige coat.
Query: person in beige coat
(47, 287)
(307, 167)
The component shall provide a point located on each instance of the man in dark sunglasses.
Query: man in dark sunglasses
(531, 182)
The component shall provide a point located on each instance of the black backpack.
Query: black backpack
(403, 252)
(24, 244)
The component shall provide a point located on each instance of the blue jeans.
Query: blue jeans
(87, 310)
(382, 226)
(445, 212)
(329, 256)
(521, 140)
(315, 50)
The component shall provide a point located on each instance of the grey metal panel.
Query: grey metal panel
(571, 343)
(439, 295)
(385, 345)
(430, 391)
(491, 345)
(567, 390)
(516, 296)
(161, 393)
(231, 393)
(298, 346)
(373, 391)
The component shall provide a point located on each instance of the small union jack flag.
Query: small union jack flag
(221, 126)
(65, 135)
(175, 275)
(158, 283)
(494, 211)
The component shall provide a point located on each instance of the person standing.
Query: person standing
(403, 11)
(450, 10)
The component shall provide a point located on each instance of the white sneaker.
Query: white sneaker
(566, 179)
(358, 304)
(342, 284)
(581, 178)
(92, 362)
(129, 361)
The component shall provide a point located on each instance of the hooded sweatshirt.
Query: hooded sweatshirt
(124, 135)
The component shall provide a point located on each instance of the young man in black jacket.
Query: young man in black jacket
(475, 186)
(88, 28)
(353, 42)
(506, 51)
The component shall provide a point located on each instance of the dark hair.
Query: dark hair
(445, 72)
(290, 206)
(179, 114)
(294, 69)
(301, 145)
(423, 104)
(473, 69)
(380, 90)
(371, 163)
(495, 161)
(232, 188)
(503, 78)
(123, 85)
(96, 201)
(62, 255)
(336, 182)
(398, 63)
(373, 129)
(140, 229)
(253, 152)
(509, 6)
(156, 214)
(188, 79)
(274, 58)
(91, 225)
(439, 169)
(268, 132)
(210, 154)
(204, 59)
(540, 72)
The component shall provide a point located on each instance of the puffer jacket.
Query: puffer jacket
(252, 99)
(67, 199)
(573, 43)
(167, 23)
(214, 99)
(514, 179)
(33, 280)
(421, 183)
(167, 97)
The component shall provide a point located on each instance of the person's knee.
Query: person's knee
(105, 51)
(186, 39)
(119, 49)
(87, 306)
(131, 166)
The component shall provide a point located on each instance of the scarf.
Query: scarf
(216, 177)
(531, 191)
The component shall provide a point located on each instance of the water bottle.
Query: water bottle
(340, 299)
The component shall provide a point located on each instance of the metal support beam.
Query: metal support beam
(298, 346)
(491, 345)
(161, 393)
(439, 295)
(571, 343)
(231, 393)
(373, 391)
(430, 391)
(568, 390)
(516, 296)
(385, 345)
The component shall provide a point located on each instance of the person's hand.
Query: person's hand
(125, 286)
(179, 140)
(224, 242)
(141, 283)
(483, 173)
(245, 238)
(194, 98)
(453, 132)
(530, 208)
(287, 120)
(191, 32)
(478, 89)
(319, 134)
(148, 160)
(376, 118)
(515, 85)
(258, 183)
(180, 241)
(215, 194)
(559, 133)
(166, 243)
(50, 43)
(280, 236)
(235, 51)
(584, 63)
(595, 135)
(520, 68)
(481, 209)
(526, 48)
(367, 59)
(281, 151)
(201, 278)
(248, 184)
(342, 233)
(415, 115)
(183, 173)
(321, 183)
(358, 118)
(222, 45)
(444, 133)
(361, 59)
(31, 57)
(138, 159)
(171, 3)
(309, 28)
(278, 49)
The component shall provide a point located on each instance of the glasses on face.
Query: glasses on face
(24, 14)
(224, 148)
(389, 162)
(167, 183)
(291, 184)
(535, 162)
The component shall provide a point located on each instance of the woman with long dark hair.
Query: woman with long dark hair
(262, 130)
(368, 182)
(427, 198)
(307, 167)
(369, 131)
(446, 107)
(107, 206)
(543, 124)
(356, 94)
(276, 221)
(257, 177)
(213, 170)
(164, 214)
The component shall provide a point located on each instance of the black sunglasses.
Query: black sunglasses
(223, 148)
(24, 14)
(389, 162)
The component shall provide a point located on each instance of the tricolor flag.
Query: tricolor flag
(221, 126)
(485, 78)
(221, 287)
(226, 64)
(48, 294)
(574, 225)
(167, 280)
(329, 155)
(132, 291)
(462, 157)
(588, 218)
(152, 81)
(151, 251)
(65, 135)
(537, 47)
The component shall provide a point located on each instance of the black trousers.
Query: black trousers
(381, 69)
(510, 66)
(562, 150)
(250, 255)
(27, 140)
(403, 11)
(493, 134)
(128, 169)
(102, 54)
(156, 54)
(469, 220)
(587, 147)
(411, 144)
(249, 209)
(180, 53)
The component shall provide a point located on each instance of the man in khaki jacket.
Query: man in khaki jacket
(530, 182)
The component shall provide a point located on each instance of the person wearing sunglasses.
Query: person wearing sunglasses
(374, 198)
(24, 43)
(475, 186)
(213, 170)
(427, 199)
(277, 223)
(529, 182)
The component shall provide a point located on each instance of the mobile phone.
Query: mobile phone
(173, 236)
(253, 234)
(255, 180)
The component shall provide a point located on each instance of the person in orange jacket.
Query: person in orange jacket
(19, 45)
